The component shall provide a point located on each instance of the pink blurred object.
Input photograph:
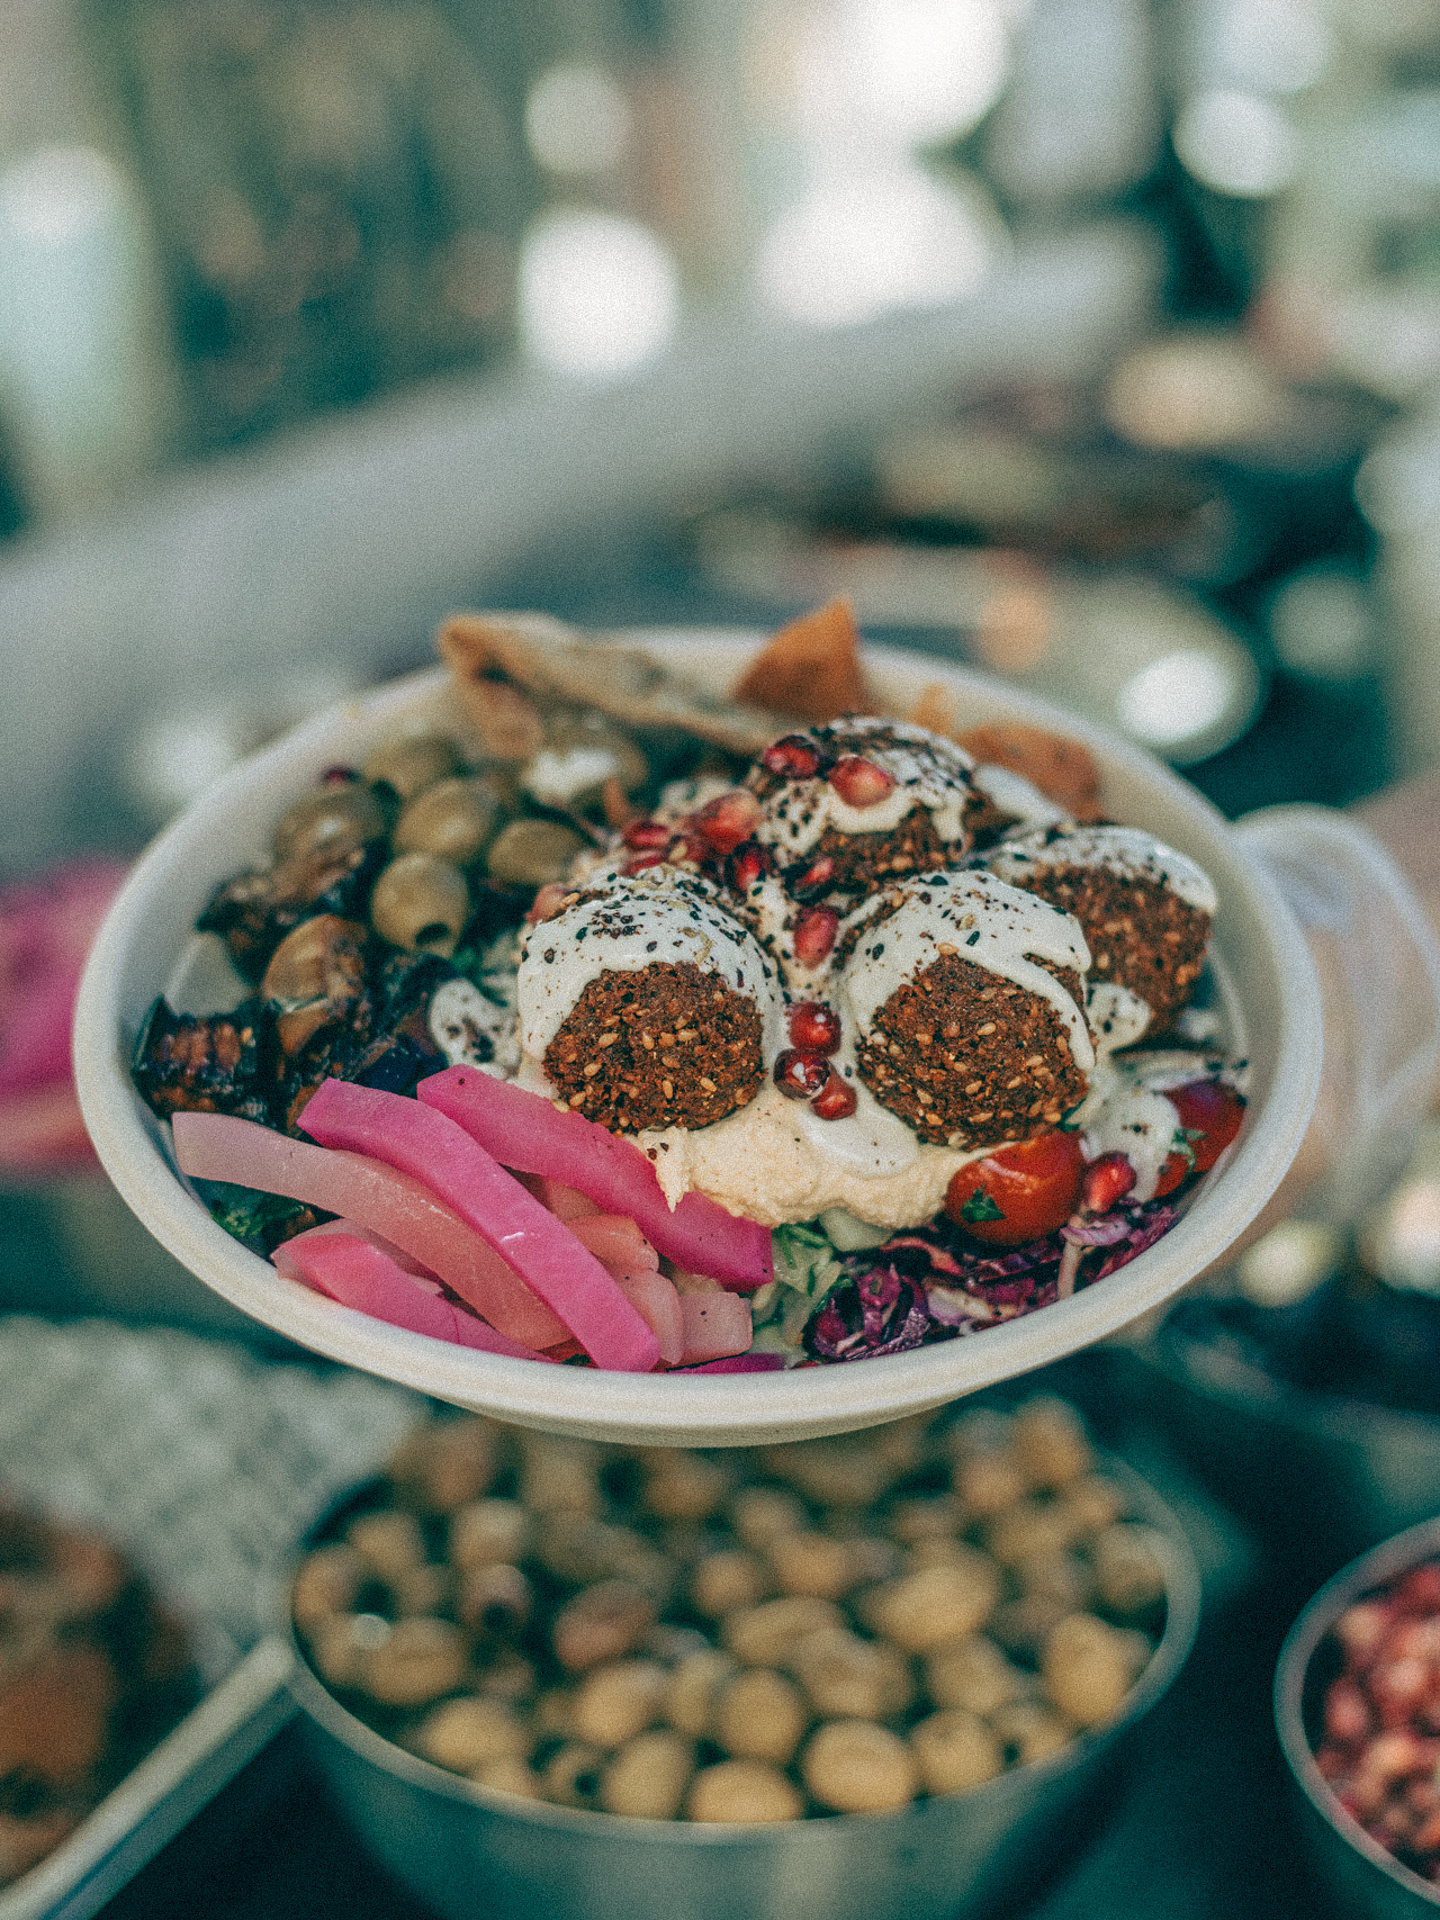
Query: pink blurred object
(46, 928)
(523, 1130)
(716, 1326)
(352, 1269)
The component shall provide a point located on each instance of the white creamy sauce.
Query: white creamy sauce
(1126, 1110)
(1129, 852)
(555, 779)
(470, 1029)
(928, 770)
(1118, 1017)
(641, 920)
(1011, 793)
(982, 920)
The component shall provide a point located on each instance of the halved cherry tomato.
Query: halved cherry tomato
(1209, 1115)
(1020, 1193)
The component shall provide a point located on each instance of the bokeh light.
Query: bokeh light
(577, 121)
(1236, 143)
(926, 70)
(1173, 702)
(599, 295)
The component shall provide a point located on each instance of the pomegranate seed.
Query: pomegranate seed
(814, 1027)
(339, 776)
(860, 783)
(815, 931)
(1398, 1687)
(642, 835)
(747, 864)
(1347, 1717)
(812, 879)
(1106, 1180)
(793, 758)
(644, 860)
(724, 822)
(801, 1075)
(547, 901)
(835, 1100)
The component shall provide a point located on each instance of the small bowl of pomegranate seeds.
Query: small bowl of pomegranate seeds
(1357, 1709)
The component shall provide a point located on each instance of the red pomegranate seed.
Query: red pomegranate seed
(814, 1027)
(724, 822)
(642, 835)
(747, 864)
(813, 879)
(546, 901)
(799, 1075)
(815, 932)
(860, 783)
(1106, 1180)
(835, 1100)
(644, 860)
(793, 758)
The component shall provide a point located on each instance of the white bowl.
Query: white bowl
(1263, 980)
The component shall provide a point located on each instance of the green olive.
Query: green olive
(530, 853)
(453, 820)
(410, 764)
(420, 902)
(330, 820)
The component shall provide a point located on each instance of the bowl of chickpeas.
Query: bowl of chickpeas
(875, 1675)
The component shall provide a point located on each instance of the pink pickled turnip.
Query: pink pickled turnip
(524, 1131)
(425, 1142)
(350, 1268)
(566, 1203)
(616, 1243)
(716, 1325)
(658, 1304)
(741, 1363)
(218, 1146)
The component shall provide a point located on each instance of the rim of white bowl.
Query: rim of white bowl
(688, 1410)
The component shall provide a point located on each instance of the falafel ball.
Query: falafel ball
(966, 1000)
(1145, 908)
(648, 1004)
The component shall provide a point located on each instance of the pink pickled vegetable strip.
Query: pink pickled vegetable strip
(566, 1203)
(716, 1325)
(741, 1363)
(542, 1249)
(524, 1131)
(218, 1146)
(358, 1274)
(658, 1304)
(615, 1242)
(406, 1262)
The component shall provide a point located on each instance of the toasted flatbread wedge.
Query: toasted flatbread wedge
(811, 668)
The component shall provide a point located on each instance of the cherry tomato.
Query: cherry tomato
(1020, 1193)
(1209, 1115)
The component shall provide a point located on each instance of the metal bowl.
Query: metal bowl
(469, 1851)
(1366, 1881)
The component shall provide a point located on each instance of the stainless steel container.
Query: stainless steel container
(471, 1852)
(1366, 1881)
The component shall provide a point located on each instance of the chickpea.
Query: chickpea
(690, 1697)
(1050, 1441)
(496, 1600)
(616, 1702)
(973, 1673)
(1087, 1668)
(509, 1676)
(575, 1546)
(447, 1463)
(812, 1563)
(508, 1774)
(758, 1514)
(559, 1473)
(600, 1624)
(929, 1519)
(327, 1583)
(725, 1581)
(419, 1660)
(413, 762)
(420, 904)
(452, 820)
(847, 1678)
(873, 1558)
(835, 1473)
(1029, 1527)
(743, 1790)
(329, 821)
(1032, 1731)
(532, 853)
(341, 1644)
(1092, 1503)
(464, 1734)
(762, 1636)
(853, 1766)
(572, 1776)
(489, 1531)
(389, 1542)
(761, 1715)
(1057, 1576)
(1128, 1573)
(1021, 1625)
(685, 1486)
(988, 1483)
(648, 1776)
(955, 1751)
(923, 1610)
